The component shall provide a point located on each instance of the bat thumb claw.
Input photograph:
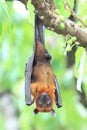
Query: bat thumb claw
(28, 103)
(59, 104)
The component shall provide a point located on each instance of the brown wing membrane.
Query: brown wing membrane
(28, 72)
(29, 65)
(57, 94)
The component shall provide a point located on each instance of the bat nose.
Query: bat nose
(44, 94)
(44, 98)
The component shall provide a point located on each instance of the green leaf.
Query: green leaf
(4, 6)
(61, 7)
(0, 27)
(78, 55)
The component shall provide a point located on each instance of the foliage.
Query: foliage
(16, 46)
(61, 7)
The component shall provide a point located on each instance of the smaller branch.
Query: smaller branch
(67, 6)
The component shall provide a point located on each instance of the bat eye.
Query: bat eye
(40, 104)
(48, 103)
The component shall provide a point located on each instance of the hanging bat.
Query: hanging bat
(40, 81)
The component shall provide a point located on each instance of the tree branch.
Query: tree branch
(46, 13)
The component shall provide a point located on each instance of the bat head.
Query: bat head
(44, 103)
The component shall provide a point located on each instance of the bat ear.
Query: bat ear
(53, 113)
(35, 111)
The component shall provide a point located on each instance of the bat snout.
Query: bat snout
(44, 98)
(44, 103)
(44, 95)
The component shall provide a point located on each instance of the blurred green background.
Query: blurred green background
(16, 46)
